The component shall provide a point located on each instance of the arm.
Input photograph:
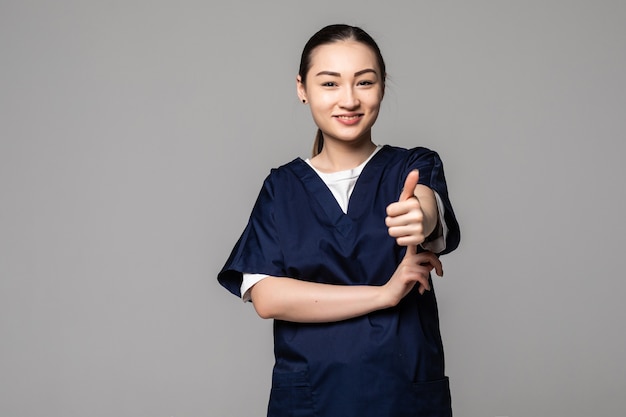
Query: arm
(308, 302)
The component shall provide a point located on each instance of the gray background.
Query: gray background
(135, 136)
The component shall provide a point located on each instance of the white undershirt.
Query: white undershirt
(341, 184)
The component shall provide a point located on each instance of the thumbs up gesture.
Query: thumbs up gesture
(405, 218)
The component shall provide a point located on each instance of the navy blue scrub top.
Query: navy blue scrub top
(388, 363)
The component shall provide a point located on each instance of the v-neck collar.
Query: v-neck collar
(361, 194)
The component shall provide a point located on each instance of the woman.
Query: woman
(339, 248)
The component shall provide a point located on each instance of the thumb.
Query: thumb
(409, 185)
(410, 251)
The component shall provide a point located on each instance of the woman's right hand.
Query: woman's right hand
(413, 270)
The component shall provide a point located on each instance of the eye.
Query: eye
(365, 83)
(329, 84)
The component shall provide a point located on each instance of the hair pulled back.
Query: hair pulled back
(332, 34)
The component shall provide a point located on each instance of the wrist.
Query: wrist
(385, 297)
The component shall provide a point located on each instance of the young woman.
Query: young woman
(339, 249)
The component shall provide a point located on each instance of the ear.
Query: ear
(300, 89)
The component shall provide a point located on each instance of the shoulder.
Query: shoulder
(407, 157)
(417, 151)
(287, 171)
(290, 166)
(280, 177)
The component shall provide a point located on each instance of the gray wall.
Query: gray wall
(134, 136)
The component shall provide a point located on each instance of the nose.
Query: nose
(349, 99)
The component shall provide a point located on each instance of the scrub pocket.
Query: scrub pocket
(291, 395)
(433, 398)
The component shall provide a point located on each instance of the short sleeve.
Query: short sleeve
(431, 174)
(249, 281)
(258, 249)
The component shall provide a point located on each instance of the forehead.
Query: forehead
(343, 56)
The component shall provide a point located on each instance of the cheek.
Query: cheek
(374, 102)
(322, 104)
(325, 100)
(371, 97)
(319, 116)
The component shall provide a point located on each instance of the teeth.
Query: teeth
(348, 117)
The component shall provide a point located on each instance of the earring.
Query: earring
(304, 100)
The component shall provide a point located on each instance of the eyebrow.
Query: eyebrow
(336, 74)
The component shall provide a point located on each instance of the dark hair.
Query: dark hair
(332, 34)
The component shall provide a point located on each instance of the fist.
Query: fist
(405, 218)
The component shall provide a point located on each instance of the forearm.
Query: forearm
(309, 302)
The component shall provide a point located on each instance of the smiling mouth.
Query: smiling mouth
(352, 117)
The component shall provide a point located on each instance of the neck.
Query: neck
(340, 156)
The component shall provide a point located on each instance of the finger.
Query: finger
(421, 289)
(408, 240)
(438, 267)
(423, 280)
(413, 233)
(419, 276)
(409, 185)
(411, 250)
(399, 208)
(429, 258)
